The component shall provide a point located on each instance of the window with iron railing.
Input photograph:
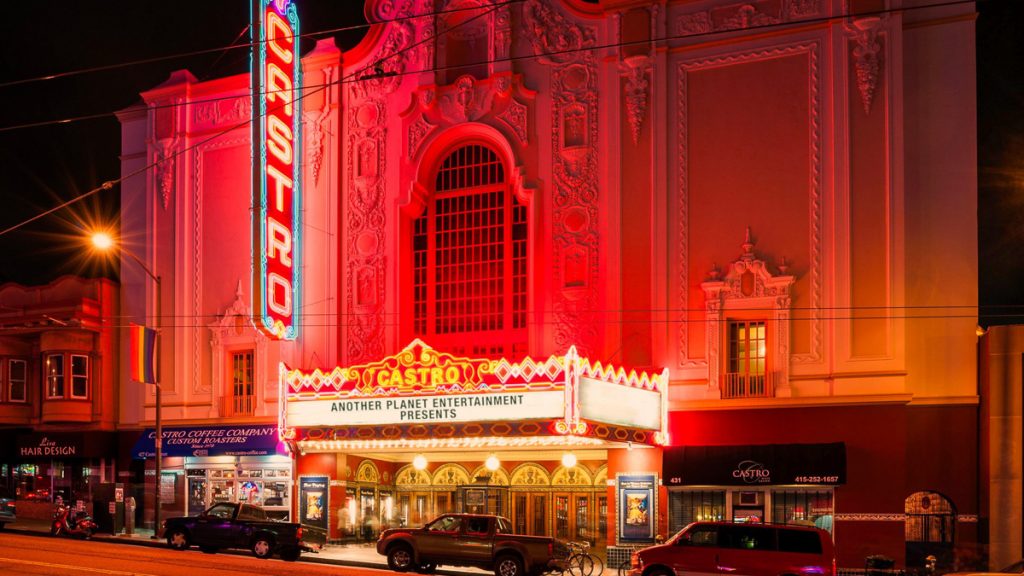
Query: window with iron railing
(746, 374)
(469, 260)
(243, 392)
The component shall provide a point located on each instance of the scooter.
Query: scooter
(70, 523)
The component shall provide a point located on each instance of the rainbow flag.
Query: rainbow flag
(142, 351)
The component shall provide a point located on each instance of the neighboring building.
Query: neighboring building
(59, 388)
(771, 201)
(1002, 437)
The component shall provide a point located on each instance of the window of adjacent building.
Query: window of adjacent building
(688, 506)
(79, 376)
(17, 380)
(55, 376)
(469, 259)
(803, 508)
(243, 397)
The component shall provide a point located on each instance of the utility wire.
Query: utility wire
(620, 44)
(232, 46)
(306, 93)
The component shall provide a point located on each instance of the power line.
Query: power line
(110, 183)
(232, 46)
(620, 44)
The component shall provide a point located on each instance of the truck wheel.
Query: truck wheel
(400, 558)
(262, 547)
(178, 539)
(508, 565)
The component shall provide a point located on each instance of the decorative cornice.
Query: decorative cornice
(746, 15)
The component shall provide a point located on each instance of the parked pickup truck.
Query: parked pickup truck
(476, 540)
(236, 525)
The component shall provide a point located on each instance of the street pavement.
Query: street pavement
(356, 555)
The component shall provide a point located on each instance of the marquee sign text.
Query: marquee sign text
(427, 409)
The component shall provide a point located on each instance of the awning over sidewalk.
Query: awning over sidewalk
(753, 465)
(242, 440)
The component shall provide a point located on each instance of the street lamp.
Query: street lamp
(104, 242)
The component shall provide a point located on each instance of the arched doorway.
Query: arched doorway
(930, 528)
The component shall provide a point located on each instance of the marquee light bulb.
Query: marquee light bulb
(419, 462)
(492, 463)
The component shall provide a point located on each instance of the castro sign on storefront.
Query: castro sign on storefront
(424, 392)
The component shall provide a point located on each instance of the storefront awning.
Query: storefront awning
(242, 440)
(755, 465)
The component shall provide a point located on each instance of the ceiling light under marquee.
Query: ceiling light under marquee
(419, 462)
(492, 463)
(568, 460)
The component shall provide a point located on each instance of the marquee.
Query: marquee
(421, 395)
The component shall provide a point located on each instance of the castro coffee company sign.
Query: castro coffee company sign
(48, 446)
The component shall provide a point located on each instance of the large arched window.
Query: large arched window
(469, 259)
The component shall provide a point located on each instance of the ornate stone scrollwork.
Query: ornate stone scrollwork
(748, 284)
(636, 70)
(557, 41)
(867, 57)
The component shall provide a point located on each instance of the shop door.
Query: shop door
(574, 517)
(196, 493)
(529, 513)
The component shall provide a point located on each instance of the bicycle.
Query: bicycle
(624, 567)
(582, 562)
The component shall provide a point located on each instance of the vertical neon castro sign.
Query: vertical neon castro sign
(276, 74)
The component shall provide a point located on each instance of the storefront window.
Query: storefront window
(249, 482)
(688, 506)
(803, 508)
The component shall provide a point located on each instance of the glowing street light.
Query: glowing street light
(104, 242)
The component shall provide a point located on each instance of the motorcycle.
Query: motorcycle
(71, 523)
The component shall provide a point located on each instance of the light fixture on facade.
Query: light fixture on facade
(419, 462)
(568, 459)
(492, 463)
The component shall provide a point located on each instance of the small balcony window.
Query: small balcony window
(243, 397)
(746, 374)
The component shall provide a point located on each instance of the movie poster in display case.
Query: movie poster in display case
(314, 501)
(636, 503)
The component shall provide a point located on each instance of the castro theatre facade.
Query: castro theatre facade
(562, 447)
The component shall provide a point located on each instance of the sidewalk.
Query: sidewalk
(362, 555)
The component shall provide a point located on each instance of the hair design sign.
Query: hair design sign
(276, 79)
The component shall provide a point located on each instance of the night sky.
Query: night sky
(45, 166)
